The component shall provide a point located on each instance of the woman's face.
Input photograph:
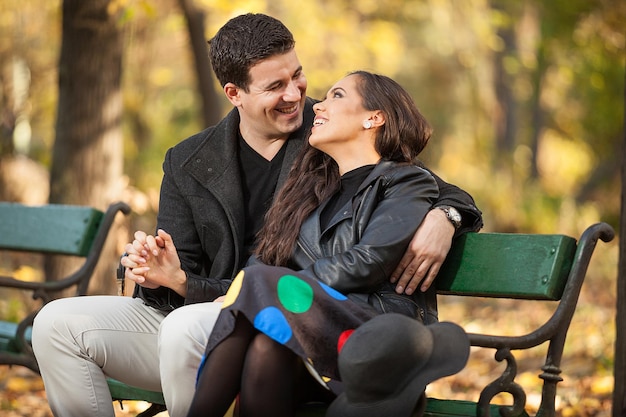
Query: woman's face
(339, 119)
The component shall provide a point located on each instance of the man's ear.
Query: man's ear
(232, 94)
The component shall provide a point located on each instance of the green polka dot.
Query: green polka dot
(294, 294)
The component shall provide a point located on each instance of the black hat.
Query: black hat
(387, 362)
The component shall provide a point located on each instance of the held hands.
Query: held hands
(152, 262)
(425, 254)
(138, 252)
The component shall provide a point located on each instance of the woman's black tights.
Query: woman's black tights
(264, 374)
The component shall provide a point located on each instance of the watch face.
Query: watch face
(455, 215)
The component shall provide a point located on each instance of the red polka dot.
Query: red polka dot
(343, 337)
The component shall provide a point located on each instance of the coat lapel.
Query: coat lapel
(215, 166)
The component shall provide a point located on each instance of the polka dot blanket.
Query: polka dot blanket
(307, 316)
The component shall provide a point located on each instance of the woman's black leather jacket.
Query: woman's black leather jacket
(366, 239)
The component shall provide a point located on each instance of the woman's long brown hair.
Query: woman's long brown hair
(315, 176)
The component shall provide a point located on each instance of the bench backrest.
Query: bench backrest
(508, 266)
(54, 228)
(535, 267)
(49, 229)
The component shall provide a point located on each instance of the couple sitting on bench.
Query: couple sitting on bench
(354, 194)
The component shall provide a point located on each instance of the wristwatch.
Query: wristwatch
(452, 214)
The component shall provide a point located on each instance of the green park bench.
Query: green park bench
(526, 267)
(71, 230)
(496, 265)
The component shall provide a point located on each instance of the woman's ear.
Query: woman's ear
(232, 94)
(377, 118)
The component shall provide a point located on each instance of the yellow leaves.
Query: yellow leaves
(22, 393)
(528, 378)
(130, 8)
(385, 43)
(22, 384)
(593, 395)
(116, 6)
(563, 163)
(28, 273)
(161, 76)
(602, 385)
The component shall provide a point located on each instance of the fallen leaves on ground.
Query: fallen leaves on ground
(22, 394)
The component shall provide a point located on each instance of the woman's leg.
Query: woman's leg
(225, 364)
(275, 381)
(269, 379)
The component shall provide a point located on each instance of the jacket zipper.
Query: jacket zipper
(306, 251)
(380, 296)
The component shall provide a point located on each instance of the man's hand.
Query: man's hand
(152, 262)
(137, 253)
(425, 254)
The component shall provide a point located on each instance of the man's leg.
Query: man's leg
(183, 337)
(78, 341)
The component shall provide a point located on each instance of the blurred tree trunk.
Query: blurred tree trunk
(619, 372)
(505, 119)
(87, 155)
(211, 113)
(505, 114)
(536, 108)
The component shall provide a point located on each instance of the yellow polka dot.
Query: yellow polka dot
(233, 291)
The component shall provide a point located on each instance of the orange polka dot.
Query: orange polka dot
(233, 291)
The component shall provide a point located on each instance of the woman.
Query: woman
(357, 201)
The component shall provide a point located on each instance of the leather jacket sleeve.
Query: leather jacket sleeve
(451, 195)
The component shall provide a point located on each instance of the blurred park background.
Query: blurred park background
(526, 98)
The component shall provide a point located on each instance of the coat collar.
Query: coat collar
(214, 163)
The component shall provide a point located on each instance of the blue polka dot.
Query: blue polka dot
(332, 292)
(273, 323)
(201, 367)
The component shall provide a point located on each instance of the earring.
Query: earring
(367, 124)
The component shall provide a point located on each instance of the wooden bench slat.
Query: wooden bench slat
(502, 265)
(53, 228)
(8, 331)
(121, 392)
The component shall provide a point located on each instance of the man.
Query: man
(216, 188)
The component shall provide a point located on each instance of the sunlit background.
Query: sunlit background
(526, 99)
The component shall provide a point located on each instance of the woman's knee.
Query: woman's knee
(266, 356)
(263, 345)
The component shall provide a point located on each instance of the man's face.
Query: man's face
(273, 106)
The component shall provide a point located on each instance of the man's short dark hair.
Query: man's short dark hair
(244, 41)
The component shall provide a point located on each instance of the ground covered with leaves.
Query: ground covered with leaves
(22, 395)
